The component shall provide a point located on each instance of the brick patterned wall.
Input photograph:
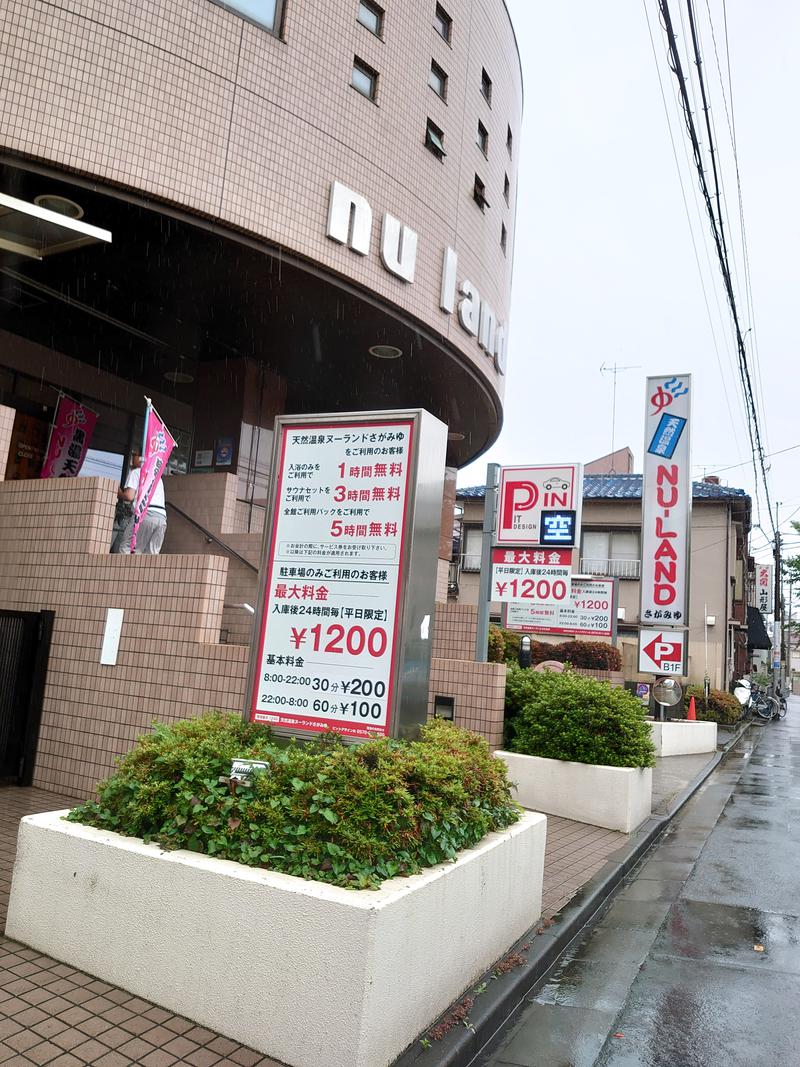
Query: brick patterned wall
(479, 691)
(6, 428)
(214, 114)
(455, 631)
(54, 538)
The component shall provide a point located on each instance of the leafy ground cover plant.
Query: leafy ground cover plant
(567, 716)
(350, 815)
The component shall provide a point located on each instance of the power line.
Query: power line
(717, 229)
(769, 455)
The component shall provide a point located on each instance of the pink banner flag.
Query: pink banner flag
(69, 439)
(158, 446)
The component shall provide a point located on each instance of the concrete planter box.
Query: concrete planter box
(683, 738)
(618, 798)
(314, 975)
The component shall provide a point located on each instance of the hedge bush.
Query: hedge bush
(351, 815)
(570, 717)
(588, 655)
(721, 707)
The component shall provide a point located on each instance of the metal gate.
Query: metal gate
(24, 651)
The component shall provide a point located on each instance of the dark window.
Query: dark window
(483, 139)
(437, 79)
(479, 194)
(507, 189)
(510, 141)
(371, 16)
(443, 23)
(503, 237)
(486, 86)
(434, 140)
(364, 78)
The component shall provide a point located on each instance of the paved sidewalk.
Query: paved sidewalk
(53, 1014)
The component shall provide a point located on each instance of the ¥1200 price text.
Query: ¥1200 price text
(338, 639)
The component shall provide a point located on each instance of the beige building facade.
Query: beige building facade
(610, 545)
(239, 210)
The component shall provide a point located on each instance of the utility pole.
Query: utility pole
(776, 625)
(485, 587)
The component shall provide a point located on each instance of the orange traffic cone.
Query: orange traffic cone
(691, 715)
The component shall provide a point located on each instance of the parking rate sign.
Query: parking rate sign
(327, 644)
(531, 576)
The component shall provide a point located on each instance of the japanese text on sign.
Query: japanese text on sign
(588, 610)
(528, 494)
(530, 575)
(327, 645)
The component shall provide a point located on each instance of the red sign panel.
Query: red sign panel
(329, 627)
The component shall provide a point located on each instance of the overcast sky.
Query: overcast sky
(605, 268)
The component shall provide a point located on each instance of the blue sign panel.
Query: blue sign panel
(558, 528)
(668, 433)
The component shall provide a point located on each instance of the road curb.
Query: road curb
(491, 1009)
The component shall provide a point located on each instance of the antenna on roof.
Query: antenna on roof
(614, 371)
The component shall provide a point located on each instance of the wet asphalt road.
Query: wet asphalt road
(696, 963)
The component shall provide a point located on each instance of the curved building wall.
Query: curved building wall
(186, 101)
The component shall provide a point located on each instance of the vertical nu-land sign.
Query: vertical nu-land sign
(348, 574)
(666, 517)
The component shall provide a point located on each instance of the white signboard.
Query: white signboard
(764, 587)
(589, 610)
(662, 651)
(533, 577)
(109, 649)
(334, 575)
(666, 503)
(540, 505)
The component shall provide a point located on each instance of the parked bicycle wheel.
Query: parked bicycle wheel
(763, 708)
(780, 712)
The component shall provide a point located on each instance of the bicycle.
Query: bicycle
(765, 706)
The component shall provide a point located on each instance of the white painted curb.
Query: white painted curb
(314, 975)
(618, 798)
(683, 738)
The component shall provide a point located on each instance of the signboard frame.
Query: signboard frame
(567, 631)
(765, 590)
(516, 539)
(409, 670)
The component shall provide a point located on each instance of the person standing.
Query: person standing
(150, 534)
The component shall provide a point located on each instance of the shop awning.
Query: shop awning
(757, 636)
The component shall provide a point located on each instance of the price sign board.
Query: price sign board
(532, 577)
(590, 610)
(335, 573)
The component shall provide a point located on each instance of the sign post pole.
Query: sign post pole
(485, 586)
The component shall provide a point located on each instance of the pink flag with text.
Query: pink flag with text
(69, 439)
(158, 446)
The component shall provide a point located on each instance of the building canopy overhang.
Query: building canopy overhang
(171, 292)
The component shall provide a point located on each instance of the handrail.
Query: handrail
(212, 537)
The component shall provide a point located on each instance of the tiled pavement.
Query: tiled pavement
(52, 1014)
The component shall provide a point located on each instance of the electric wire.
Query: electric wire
(717, 230)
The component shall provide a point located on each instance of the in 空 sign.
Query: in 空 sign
(540, 505)
(666, 503)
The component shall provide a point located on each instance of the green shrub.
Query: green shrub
(351, 815)
(721, 707)
(569, 717)
(588, 655)
(497, 644)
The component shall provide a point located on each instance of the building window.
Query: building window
(266, 13)
(486, 86)
(612, 552)
(507, 190)
(510, 141)
(479, 194)
(483, 139)
(503, 236)
(443, 23)
(434, 140)
(364, 78)
(371, 16)
(437, 79)
(471, 546)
